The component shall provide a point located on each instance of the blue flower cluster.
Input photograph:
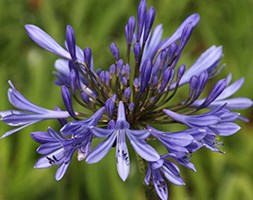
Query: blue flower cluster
(129, 100)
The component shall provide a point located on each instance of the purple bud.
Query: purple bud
(193, 85)
(129, 30)
(119, 67)
(98, 71)
(137, 52)
(141, 18)
(172, 50)
(167, 76)
(165, 54)
(112, 69)
(111, 124)
(202, 79)
(180, 72)
(88, 57)
(85, 98)
(216, 91)
(73, 77)
(131, 106)
(71, 42)
(149, 22)
(104, 76)
(145, 74)
(109, 104)
(73, 80)
(152, 99)
(123, 80)
(107, 78)
(115, 51)
(136, 83)
(127, 93)
(154, 81)
(157, 65)
(126, 70)
(67, 101)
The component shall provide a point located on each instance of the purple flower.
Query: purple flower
(179, 143)
(163, 168)
(130, 98)
(56, 150)
(221, 120)
(28, 112)
(230, 103)
(118, 133)
(82, 129)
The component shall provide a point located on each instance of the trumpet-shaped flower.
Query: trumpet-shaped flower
(131, 99)
(118, 134)
(28, 112)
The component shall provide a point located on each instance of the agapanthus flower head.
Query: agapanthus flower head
(130, 99)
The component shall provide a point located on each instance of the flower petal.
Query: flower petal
(17, 129)
(122, 156)
(141, 134)
(171, 172)
(41, 137)
(148, 176)
(21, 119)
(48, 148)
(101, 150)
(216, 91)
(101, 132)
(61, 170)
(45, 41)
(203, 120)
(226, 129)
(51, 159)
(231, 89)
(143, 149)
(238, 103)
(160, 185)
(181, 139)
(208, 60)
(152, 43)
(196, 120)
(20, 102)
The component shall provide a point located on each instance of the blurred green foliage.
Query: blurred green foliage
(97, 23)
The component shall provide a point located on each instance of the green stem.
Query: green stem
(150, 192)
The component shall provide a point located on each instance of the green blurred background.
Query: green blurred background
(97, 23)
